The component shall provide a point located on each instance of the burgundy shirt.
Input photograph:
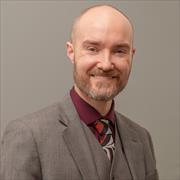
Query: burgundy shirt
(90, 115)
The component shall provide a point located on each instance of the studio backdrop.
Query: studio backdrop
(35, 71)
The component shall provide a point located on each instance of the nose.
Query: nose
(105, 63)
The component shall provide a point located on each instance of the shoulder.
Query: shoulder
(125, 121)
(49, 113)
(49, 119)
(36, 123)
(142, 133)
(130, 126)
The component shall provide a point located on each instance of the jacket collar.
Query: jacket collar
(79, 147)
(76, 140)
(132, 146)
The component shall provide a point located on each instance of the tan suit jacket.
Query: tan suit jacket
(54, 144)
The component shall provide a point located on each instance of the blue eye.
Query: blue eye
(92, 49)
(120, 51)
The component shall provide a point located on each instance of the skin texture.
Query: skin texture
(101, 51)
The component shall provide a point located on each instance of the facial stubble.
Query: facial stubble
(102, 91)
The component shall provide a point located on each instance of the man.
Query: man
(83, 137)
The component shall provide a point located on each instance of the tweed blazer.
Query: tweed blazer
(54, 144)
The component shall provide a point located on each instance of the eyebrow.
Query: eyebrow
(122, 45)
(96, 43)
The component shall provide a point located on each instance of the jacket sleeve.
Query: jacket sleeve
(19, 158)
(151, 175)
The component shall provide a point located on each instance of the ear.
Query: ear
(133, 52)
(70, 51)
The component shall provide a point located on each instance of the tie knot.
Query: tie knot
(102, 126)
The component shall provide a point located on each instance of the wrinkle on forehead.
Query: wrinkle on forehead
(104, 16)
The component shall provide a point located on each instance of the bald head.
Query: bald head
(100, 14)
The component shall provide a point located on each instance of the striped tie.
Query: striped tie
(105, 136)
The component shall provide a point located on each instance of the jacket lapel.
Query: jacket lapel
(120, 169)
(101, 160)
(76, 140)
(132, 147)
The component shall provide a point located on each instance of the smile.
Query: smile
(103, 77)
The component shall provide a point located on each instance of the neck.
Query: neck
(102, 107)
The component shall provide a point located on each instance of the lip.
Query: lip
(103, 77)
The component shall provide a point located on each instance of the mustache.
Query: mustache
(97, 72)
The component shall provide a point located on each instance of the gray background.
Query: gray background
(35, 71)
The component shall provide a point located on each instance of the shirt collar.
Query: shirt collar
(87, 113)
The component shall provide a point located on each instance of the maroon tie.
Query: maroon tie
(106, 136)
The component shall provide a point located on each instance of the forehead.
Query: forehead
(104, 24)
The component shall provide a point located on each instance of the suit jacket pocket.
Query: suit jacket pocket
(152, 176)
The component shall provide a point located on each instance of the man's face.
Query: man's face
(102, 56)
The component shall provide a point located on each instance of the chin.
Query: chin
(102, 95)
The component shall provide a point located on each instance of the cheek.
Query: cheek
(85, 64)
(123, 66)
